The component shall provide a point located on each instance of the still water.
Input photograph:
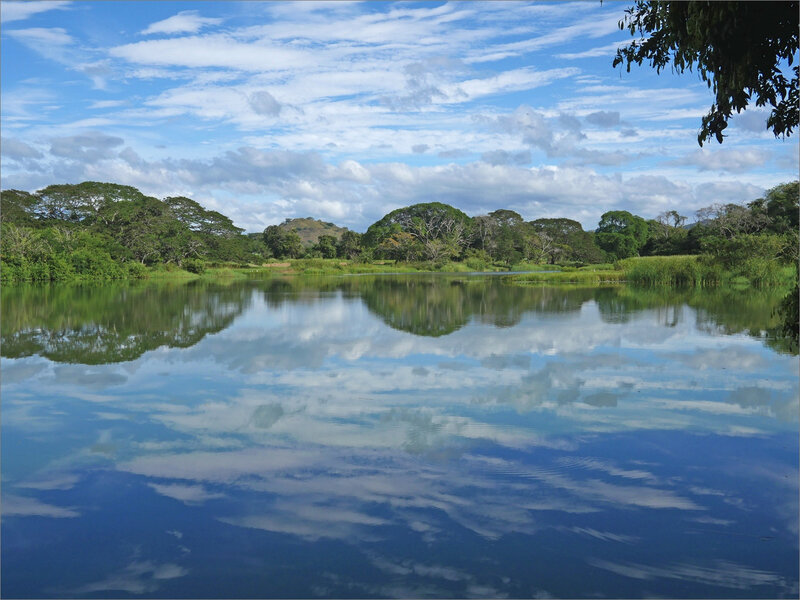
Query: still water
(396, 436)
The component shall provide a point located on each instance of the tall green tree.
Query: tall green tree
(283, 243)
(565, 239)
(18, 207)
(325, 246)
(442, 230)
(90, 202)
(349, 245)
(742, 50)
(621, 234)
(501, 233)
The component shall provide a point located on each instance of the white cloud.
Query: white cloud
(188, 494)
(89, 147)
(356, 194)
(609, 50)
(734, 160)
(21, 506)
(48, 42)
(341, 97)
(187, 21)
(18, 150)
(264, 103)
(717, 572)
(216, 51)
(18, 11)
(137, 577)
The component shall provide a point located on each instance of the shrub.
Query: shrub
(136, 270)
(477, 260)
(40, 271)
(194, 265)
(95, 264)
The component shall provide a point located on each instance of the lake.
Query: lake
(396, 436)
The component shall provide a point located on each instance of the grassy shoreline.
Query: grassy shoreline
(651, 271)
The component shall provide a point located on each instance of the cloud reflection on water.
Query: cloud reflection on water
(313, 419)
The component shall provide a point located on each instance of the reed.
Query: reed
(670, 270)
(582, 277)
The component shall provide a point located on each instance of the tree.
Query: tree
(400, 246)
(89, 202)
(349, 245)
(782, 204)
(440, 229)
(621, 234)
(282, 243)
(738, 48)
(565, 239)
(730, 220)
(17, 207)
(502, 233)
(666, 235)
(325, 246)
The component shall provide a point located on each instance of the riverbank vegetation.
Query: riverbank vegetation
(104, 231)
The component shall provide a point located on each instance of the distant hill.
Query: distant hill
(310, 229)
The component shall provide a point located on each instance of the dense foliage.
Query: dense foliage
(740, 49)
(107, 231)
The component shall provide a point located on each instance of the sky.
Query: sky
(344, 111)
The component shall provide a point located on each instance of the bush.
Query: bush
(477, 260)
(40, 271)
(136, 270)
(14, 269)
(95, 264)
(194, 265)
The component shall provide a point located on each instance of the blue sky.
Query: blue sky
(345, 111)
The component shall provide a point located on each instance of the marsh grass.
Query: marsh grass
(670, 270)
(574, 277)
(675, 271)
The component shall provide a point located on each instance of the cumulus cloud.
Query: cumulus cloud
(503, 157)
(88, 147)
(262, 187)
(187, 21)
(603, 118)
(18, 150)
(732, 160)
(264, 103)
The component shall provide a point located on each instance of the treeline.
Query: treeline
(106, 231)
(765, 229)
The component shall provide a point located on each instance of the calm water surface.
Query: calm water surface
(413, 436)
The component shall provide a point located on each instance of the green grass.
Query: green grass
(676, 271)
(670, 270)
(582, 277)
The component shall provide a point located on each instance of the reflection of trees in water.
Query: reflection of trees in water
(439, 305)
(719, 310)
(119, 322)
(435, 305)
(113, 323)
